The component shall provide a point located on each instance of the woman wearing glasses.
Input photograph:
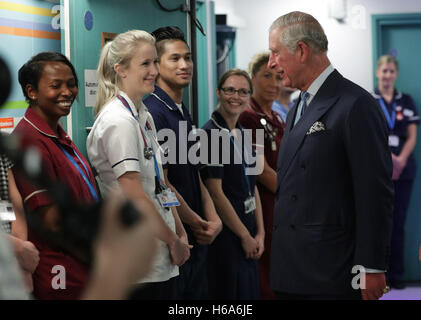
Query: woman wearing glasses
(232, 260)
(259, 115)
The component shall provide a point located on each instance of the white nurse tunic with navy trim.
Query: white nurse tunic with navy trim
(115, 146)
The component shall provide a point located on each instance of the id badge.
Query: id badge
(250, 204)
(393, 141)
(6, 211)
(168, 199)
(273, 145)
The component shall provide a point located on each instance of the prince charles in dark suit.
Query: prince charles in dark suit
(334, 197)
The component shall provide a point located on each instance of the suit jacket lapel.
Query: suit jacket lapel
(325, 98)
(288, 126)
(293, 111)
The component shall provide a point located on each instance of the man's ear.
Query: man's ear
(303, 50)
(120, 70)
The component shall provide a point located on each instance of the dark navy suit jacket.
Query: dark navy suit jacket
(334, 197)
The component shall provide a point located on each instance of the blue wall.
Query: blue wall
(118, 16)
(203, 86)
(27, 27)
(113, 16)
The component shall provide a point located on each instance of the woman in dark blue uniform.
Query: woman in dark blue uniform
(402, 118)
(232, 260)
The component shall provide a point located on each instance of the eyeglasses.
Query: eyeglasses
(231, 91)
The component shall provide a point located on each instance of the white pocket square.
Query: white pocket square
(316, 127)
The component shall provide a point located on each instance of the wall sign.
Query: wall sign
(91, 87)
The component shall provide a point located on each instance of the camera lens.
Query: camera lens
(5, 81)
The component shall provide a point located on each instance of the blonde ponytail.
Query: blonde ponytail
(121, 51)
(107, 88)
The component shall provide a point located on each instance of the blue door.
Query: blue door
(400, 36)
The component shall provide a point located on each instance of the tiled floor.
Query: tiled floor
(411, 292)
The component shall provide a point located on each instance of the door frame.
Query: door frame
(379, 22)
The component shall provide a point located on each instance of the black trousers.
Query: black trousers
(192, 283)
(165, 290)
(403, 189)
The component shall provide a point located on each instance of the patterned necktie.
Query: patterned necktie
(304, 95)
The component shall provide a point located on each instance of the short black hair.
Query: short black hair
(31, 71)
(165, 34)
(168, 33)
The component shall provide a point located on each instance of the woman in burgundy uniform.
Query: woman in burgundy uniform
(50, 85)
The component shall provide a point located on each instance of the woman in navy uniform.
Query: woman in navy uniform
(402, 118)
(232, 260)
(259, 115)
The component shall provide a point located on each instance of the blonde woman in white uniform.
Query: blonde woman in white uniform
(122, 148)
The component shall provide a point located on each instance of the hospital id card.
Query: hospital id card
(6, 211)
(393, 141)
(168, 199)
(250, 204)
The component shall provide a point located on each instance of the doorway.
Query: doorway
(400, 35)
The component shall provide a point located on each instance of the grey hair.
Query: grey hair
(299, 26)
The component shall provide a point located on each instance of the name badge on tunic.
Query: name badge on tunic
(273, 145)
(408, 113)
(6, 211)
(393, 141)
(168, 199)
(250, 204)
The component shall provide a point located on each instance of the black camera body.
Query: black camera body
(5, 81)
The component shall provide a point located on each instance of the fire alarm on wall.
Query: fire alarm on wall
(337, 9)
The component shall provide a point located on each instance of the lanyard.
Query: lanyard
(74, 163)
(389, 118)
(126, 104)
(239, 153)
(242, 163)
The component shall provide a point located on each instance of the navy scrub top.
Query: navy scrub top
(234, 184)
(406, 114)
(183, 175)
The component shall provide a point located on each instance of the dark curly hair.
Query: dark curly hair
(31, 71)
